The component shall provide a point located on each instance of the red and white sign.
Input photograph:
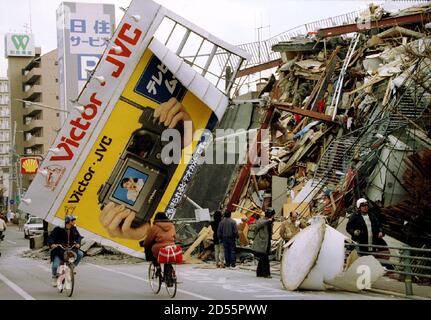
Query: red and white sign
(29, 165)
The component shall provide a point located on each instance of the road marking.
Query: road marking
(11, 242)
(279, 296)
(15, 288)
(142, 279)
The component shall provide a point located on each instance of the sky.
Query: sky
(234, 21)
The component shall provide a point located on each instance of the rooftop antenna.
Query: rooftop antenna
(259, 40)
(29, 12)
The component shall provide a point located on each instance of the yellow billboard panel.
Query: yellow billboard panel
(129, 148)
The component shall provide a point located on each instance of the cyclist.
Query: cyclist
(67, 236)
(161, 234)
(3, 228)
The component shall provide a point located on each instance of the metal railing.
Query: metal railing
(262, 50)
(410, 262)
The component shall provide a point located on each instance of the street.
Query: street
(29, 279)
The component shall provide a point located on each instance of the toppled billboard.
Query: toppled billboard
(112, 153)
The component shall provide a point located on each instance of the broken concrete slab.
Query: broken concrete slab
(330, 262)
(400, 31)
(279, 193)
(361, 275)
(301, 256)
(94, 251)
(86, 245)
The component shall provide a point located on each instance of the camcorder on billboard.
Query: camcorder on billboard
(134, 148)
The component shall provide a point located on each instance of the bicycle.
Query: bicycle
(166, 276)
(66, 278)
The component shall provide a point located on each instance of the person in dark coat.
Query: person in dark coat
(218, 246)
(227, 233)
(67, 236)
(364, 226)
(262, 243)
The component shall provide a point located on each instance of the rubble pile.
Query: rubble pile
(349, 116)
(417, 207)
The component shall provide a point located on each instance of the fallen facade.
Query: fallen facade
(349, 117)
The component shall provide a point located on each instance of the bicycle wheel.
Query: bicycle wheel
(69, 283)
(154, 279)
(171, 280)
(61, 279)
(60, 284)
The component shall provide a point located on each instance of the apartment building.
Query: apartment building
(5, 141)
(40, 124)
(35, 81)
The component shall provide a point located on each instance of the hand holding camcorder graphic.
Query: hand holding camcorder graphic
(173, 114)
(136, 186)
(117, 220)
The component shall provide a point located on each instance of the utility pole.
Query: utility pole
(15, 173)
(259, 39)
(11, 168)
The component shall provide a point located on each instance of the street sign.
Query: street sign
(12, 202)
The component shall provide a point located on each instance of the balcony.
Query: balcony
(34, 141)
(34, 151)
(33, 124)
(31, 110)
(34, 92)
(31, 77)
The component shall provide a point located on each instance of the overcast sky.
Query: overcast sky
(235, 21)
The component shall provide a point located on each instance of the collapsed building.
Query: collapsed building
(348, 111)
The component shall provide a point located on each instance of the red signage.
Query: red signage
(29, 165)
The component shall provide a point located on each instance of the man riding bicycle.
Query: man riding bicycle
(161, 234)
(68, 236)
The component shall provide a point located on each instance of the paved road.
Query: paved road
(25, 278)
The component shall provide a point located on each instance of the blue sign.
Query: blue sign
(158, 84)
(86, 61)
(12, 202)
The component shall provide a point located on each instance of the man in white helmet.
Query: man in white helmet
(364, 226)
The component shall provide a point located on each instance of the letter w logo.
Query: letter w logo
(20, 41)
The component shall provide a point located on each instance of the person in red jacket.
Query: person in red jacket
(161, 234)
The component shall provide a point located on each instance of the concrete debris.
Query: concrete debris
(87, 244)
(362, 274)
(301, 256)
(339, 101)
(93, 252)
(40, 254)
(314, 260)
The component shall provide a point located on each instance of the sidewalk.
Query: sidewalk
(392, 285)
(385, 285)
